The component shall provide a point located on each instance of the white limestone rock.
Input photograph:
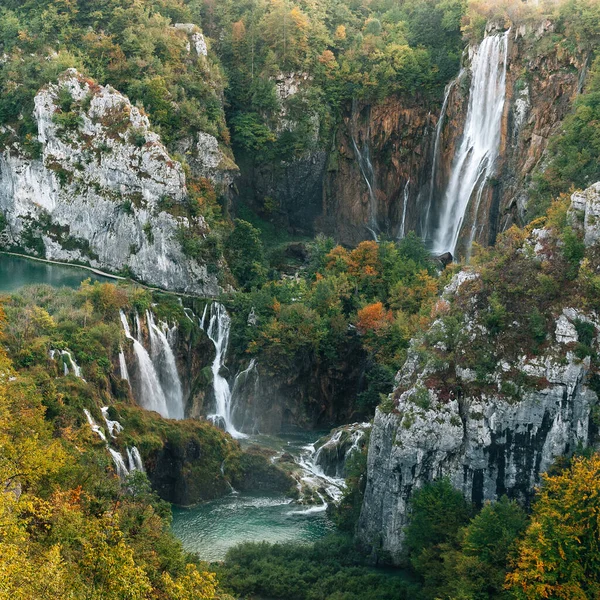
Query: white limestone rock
(95, 193)
(196, 38)
(585, 212)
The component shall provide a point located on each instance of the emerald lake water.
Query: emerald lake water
(15, 272)
(212, 528)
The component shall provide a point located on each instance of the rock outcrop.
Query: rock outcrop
(101, 192)
(491, 429)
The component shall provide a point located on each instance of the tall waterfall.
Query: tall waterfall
(366, 168)
(217, 329)
(166, 367)
(123, 365)
(152, 395)
(474, 161)
(406, 197)
(425, 222)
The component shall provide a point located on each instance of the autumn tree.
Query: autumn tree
(559, 556)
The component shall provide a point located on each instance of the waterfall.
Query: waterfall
(152, 395)
(67, 360)
(123, 365)
(111, 426)
(120, 466)
(366, 169)
(134, 459)
(436, 149)
(93, 425)
(166, 367)
(474, 161)
(217, 330)
(402, 232)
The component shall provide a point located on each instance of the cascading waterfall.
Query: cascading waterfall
(474, 162)
(217, 329)
(152, 395)
(133, 454)
(94, 426)
(367, 171)
(111, 426)
(406, 195)
(134, 459)
(166, 367)
(436, 150)
(123, 365)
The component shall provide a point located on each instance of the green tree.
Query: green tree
(245, 255)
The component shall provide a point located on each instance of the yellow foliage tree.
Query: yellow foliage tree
(559, 556)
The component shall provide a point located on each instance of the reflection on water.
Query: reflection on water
(15, 272)
(214, 527)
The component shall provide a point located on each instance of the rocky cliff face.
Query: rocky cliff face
(97, 192)
(380, 163)
(491, 431)
(377, 176)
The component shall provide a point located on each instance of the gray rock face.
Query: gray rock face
(488, 441)
(96, 193)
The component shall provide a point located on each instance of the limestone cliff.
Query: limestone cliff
(489, 411)
(102, 190)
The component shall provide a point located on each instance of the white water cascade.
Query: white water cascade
(123, 365)
(217, 329)
(166, 366)
(133, 454)
(366, 168)
(426, 226)
(406, 196)
(152, 395)
(474, 161)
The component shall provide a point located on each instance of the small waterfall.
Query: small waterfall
(123, 365)
(475, 159)
(402, 232)
(217, 330)
(367, 171)
(67, 360)
(166, 367)
(120, 466)
(425, 225)
(134, 457)
(152, 395)
(111, 426)
(94, 426)
(244, 414)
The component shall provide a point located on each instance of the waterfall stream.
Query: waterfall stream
(436, 151)
(133, 454)
(366, 168)
(217, 329)
(152, 395)
(166, 366)
(406, 196)
(474, 161)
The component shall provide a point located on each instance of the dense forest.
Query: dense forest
(190, 126)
